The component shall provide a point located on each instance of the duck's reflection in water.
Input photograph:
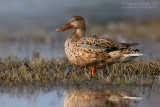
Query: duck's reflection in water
(99, 98)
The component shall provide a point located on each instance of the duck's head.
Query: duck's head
(76, 22)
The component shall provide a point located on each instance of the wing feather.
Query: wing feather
(95, 42)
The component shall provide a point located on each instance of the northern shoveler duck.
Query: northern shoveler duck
(92, 51)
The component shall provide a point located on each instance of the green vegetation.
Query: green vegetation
(45, 71)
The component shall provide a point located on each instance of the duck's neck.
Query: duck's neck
(80, 32)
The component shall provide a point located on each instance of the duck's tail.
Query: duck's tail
(132, 98)
(132, 55)
(130, 52)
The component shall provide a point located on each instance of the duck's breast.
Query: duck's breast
(73, 52)
(84, 56)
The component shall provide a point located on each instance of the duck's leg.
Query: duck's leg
(93, 70)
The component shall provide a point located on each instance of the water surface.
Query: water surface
(81, 95)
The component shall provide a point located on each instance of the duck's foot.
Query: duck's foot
(93, 70)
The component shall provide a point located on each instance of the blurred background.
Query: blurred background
(27, 27)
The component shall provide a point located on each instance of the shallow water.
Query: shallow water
(55, 49)
(50, 99)
(81, 96)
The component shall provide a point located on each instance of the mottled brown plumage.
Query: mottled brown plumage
(93, 51)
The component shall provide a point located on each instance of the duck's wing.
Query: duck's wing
(95, 42)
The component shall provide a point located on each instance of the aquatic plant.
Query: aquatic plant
(40, 70)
